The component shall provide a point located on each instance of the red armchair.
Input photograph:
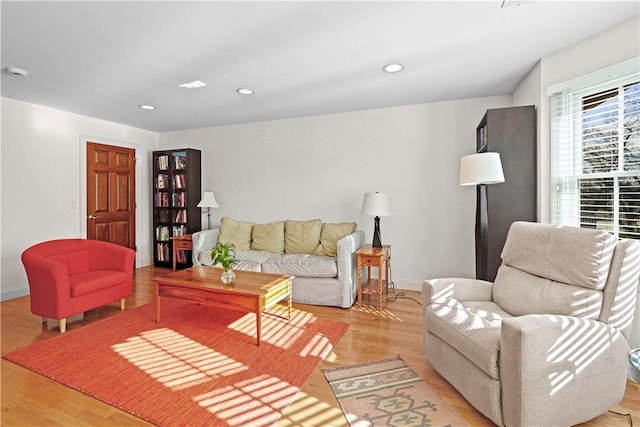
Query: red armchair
(71, 276)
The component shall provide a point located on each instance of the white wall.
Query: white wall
(43, 176)
(320, 167)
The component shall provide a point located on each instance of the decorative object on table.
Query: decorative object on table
(212, 372)
(388, 393)
(481, 169)
(224, 254)
(376, 204)
(208, 201)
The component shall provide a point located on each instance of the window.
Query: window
(595, 139)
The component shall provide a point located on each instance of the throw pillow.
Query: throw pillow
(236, 232)
(268, 237)
(301, 237)
(329, 236)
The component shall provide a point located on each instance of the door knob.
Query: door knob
(94, 217)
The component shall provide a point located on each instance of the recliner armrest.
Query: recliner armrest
(461, 289)
(561, 365)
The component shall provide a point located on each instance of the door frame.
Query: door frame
(82, 196)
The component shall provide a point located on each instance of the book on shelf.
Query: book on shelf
(179, 181)
(179, 230)
(162, 199)
(179, 200)
(162, 233)
(162, 181)
(181, 216)
(162, 252)
(180, 160)
(163, 162)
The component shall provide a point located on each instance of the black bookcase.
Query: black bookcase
(176, 192)
(512, 133)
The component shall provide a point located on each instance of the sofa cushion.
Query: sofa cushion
(473, 329)
(92, 281)
(268, 237)
(236, 232)
(301, 237)
(329, 236)
(301, 265)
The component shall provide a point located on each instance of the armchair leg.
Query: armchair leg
(122, 303)
(63, 325)
(44, 320)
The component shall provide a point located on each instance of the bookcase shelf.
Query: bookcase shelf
(176, 193)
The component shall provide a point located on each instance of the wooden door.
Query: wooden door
(111, 209)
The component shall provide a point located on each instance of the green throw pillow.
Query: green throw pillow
(268, 237)
(329, 236)
(236, 232)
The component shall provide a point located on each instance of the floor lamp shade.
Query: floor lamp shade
(377, 205)
(208, 201)
(481, 169)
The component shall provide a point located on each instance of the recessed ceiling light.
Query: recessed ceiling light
(16, 72)
(193, 84)
(393, 68)
(245, 91)
(147, 107)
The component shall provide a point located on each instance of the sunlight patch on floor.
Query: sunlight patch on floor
(174, 360)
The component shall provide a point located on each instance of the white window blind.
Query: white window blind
(595, 138)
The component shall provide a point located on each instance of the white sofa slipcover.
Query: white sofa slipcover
(319, 280)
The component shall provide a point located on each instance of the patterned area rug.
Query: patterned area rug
(389, 393)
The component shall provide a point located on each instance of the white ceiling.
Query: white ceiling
(103, 59)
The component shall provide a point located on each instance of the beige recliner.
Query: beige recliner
(546, 343)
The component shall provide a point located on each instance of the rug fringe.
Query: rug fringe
(360, 365)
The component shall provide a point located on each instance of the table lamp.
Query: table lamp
(376, 204)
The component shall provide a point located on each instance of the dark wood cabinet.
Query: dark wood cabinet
(176, 193)
(512, 133)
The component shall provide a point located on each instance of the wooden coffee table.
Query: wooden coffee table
(251, 291)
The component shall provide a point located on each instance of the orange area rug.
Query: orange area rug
(199, 366)
(389, 393)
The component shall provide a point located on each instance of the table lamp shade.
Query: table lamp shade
(376, 204)
(481, 168)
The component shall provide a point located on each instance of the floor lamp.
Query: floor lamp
(376, 204)
(208, 201)
(481, 169)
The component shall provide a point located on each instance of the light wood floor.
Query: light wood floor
(29, 399)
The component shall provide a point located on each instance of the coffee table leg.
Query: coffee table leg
(157, 309)
(258, 325)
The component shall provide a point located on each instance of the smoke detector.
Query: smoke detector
(16, 72)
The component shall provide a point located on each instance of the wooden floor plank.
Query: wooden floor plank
(29, 399)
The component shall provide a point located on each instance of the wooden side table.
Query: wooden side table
(373, 257)
(181, 243)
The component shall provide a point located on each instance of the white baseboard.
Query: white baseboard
(408, 284)
(14, 293)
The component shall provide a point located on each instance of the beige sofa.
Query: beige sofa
(321, 256)
(546, 343)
